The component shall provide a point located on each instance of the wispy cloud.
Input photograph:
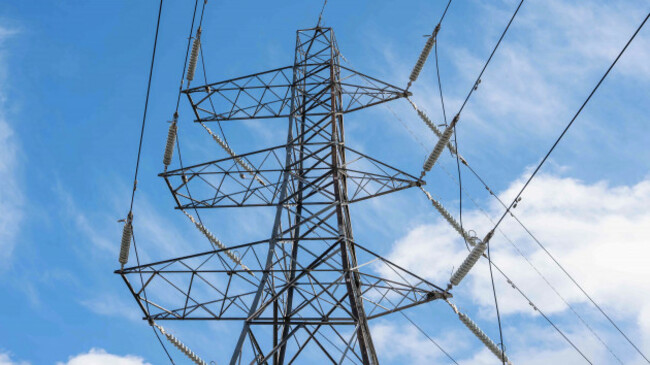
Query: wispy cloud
(157, 233)
(551, 57)
(112, 305)
(11, 195)
(405, 344)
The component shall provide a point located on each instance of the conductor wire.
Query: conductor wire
(541, 163)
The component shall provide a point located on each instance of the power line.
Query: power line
(539, 273)
(146, 300)
(162, 344)
(496, 305)
(320, 16)
(146, 105)
(557, 141)
(442, 99)
(539, 243)
(530, 263)
(187, 53)
(474, 87)
(478, 79)
(539, 166)
(205, 79)
(555, 327)
(444, 13)
(455, 140)
(429, 338)
(137, 164)
(538, 310)
(444, 116)
(458, 160)
(425, 334)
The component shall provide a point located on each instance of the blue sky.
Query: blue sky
(72, 86)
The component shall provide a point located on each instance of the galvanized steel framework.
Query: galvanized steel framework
(310, 289)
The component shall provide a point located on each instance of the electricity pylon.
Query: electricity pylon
(309, 290)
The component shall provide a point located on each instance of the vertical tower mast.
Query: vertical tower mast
(316, 140)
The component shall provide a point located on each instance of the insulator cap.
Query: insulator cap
(468, 263)
(194, 56)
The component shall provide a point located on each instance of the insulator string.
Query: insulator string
(171, 140)
(578, 316)
(439, 147)
(530, 263)
(448, 217)
(484, 338)
(468, 263)
(125, 247)
(428, 46)
(180, 346)
(216, 242)
(232, 154)
(419, 64)
(187, 52)
(194, 56)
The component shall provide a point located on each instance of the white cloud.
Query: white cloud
(599, 232)
(5, 358)
(11, 197)
(101, 357)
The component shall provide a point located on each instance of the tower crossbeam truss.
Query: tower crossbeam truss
(310, 289)
(268, 94)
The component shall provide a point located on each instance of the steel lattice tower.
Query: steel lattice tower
(309, 290)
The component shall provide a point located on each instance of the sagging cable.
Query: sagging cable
(232, 154)
(194, 55)
(180, 346)
(440, 146)
(423, 56)
(215, 241)
(432, 126)
(448, 217)
(487, 341)
(171, 139)
(468, 263)
(127, 234)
